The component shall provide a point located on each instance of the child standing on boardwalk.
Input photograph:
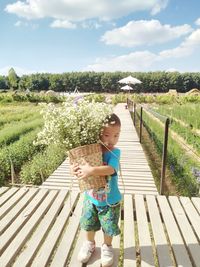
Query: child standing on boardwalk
(101, 208)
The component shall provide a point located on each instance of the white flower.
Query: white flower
(73, 125)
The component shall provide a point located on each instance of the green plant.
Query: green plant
(13, 132)
(42, 165)
(19, 152)
(95, 97)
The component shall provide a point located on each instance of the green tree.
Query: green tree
(23, 82)
(13, 79)
(3, 83)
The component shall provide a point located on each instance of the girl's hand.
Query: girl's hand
(74, 169)
(84, 171)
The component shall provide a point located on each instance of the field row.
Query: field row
(183, 155)
(20, 160)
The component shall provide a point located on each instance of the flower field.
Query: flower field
(183, 144)
(19, 125)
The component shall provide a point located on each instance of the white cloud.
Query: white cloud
(186, 48)
(91, 25)
(159, 6)
(146, 60)
(20, 23)
(130, 62)
(80, 10)
(63, 24)
(142, 32)
(197, 22)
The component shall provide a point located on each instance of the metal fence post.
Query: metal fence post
(141, 109)
(164, 156)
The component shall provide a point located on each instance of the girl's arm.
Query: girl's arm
(86, 170)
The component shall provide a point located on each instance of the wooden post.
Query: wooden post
(164, 156)
(12, 171)
(141, 109)
(134, 114)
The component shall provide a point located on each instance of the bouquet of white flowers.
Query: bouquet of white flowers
(76, 124)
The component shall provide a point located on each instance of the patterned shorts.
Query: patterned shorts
(94, 218)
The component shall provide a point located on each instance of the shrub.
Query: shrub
(19, 152)
(13, 132)
(42, 165)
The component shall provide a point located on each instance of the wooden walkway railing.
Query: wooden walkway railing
(136, 172)
(38, 228)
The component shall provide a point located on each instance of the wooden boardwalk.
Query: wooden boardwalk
(37, 229)
(136, 173)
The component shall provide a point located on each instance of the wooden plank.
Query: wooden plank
(65, 246)
(160, 239)
(13, 229)
(25, 232)
(18, 208)
(128, 182)
(138, 186)
(129, 233)
(45, 253)
(143, 233)
(145, 193)
(192, 214)
(33, 244)
(137, 181)
(8, 194)
(196, 202)
(56, 187)
(12, 202)
(137, 174)
(74, 260)
(3, 189)
(186, 230)
(177, 243)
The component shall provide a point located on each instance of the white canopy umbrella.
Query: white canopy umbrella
(129, 80)
(127, 87)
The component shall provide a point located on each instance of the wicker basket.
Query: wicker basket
(91, 154)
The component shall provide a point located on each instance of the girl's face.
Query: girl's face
(110, 135)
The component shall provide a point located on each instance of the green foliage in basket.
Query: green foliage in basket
(75, 123)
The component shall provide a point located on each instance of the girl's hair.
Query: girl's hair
(113, 120)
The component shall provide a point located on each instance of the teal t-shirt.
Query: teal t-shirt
(111, 195)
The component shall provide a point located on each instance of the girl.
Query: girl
(101, 208)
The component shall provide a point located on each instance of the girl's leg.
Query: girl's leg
(90, 236)
(108, 240)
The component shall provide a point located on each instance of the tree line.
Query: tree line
(100, 82)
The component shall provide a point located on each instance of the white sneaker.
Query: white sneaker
(106, 255)
(86, 251)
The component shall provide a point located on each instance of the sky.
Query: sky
(57, 36)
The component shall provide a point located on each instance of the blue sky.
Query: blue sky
(59, 36)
